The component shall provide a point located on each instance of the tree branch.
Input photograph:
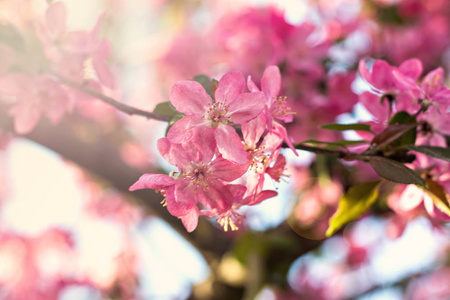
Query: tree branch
(113, 102)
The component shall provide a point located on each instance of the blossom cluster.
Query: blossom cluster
(31, 85)
(403, 89)
(220, 170)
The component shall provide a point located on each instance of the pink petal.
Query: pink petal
(364, 72)
(178, 132)
(271, 82)
(56, 19)
(190, 221)
(406, 83)
(406, 101)
(100, 55)
(227, 170)
(251, 85)
(173, 153)
(230, 145)
(372, 103)
(237, 190)
(433, 211)
(271, 142)
(186, 193)
(280, 130)
(217, 197)
(174, 207)
(200, 145)
(103, 49)
(442, 98)
(276, 171)
(198, 148)
(253, 130)
(189, 97)
(411, 198)
(254, 183)
(152, 181)
(382, 77)
(79, 42)
(104, 74)
(433, 81)
(230, 86)
(260, 197)
(95, 31)
(16, 84)
(411, 68)
(246, 107)
(26, 116)
(57, 101)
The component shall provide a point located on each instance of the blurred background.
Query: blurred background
(69, 228)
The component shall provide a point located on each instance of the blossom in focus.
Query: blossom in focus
(201, 177)
(276, 109)
(230, 105)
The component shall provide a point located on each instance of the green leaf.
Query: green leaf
(353, 204)
(402, 117)
(397, 134)
(409, 137)
(205, 81)
(165, 108)
(436, 152)
(394, 171)
(439, 196)
(344, 127)
(336, 144)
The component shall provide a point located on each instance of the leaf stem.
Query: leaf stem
(335, 153)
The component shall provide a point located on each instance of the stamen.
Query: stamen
(227, 219)
(217, 112)
(199, 176)
(280, 108)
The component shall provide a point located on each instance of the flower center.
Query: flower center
(199, 176)
(280, 109)
(217, 112)
(227, 219)
(259, 159)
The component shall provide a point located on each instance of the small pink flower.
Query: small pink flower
(230, 105)
(35, 96)
(75, 51)
(201, 178)
(276, 109)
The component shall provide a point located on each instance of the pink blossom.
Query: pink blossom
(386, 95)
(409, 200)
(276, 109)
(230, 105)
(35, 96)
(201, 178)
(76, 51)
(274, 166)
(252, 40)
(229, 217)
(303, 53)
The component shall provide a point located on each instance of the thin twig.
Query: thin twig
(336, 153)
(117, 104)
